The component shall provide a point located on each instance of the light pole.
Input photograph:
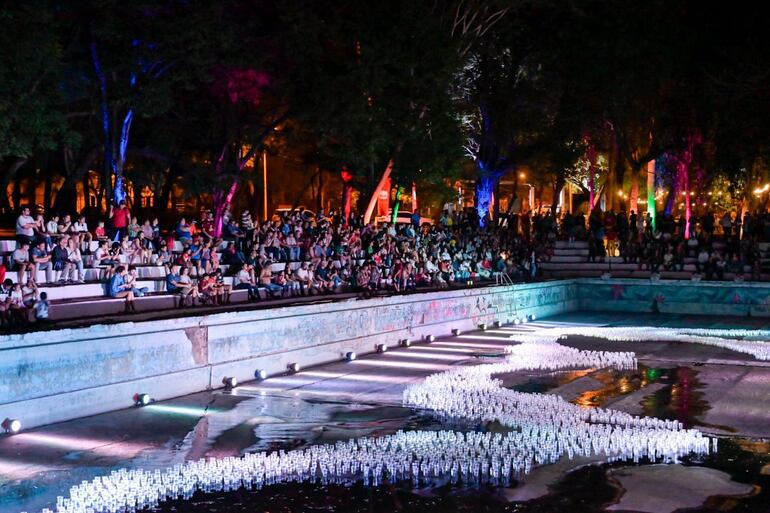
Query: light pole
(264, 183)
(531, 193)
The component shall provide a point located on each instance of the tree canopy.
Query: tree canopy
(165, 91)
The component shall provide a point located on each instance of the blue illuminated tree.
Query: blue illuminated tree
(141, 56)
(510, 99)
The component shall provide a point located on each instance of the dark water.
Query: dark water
(583, 490)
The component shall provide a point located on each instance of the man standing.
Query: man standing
(120, 217)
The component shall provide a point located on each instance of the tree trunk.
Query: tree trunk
(66, 199)
(514, 194)
(16, 193)
(10, 175)
(222, 201)
(308, 184)
(618, 175)
(485, 185)
(47, 191)
(558, 186)
(32, 190)
(86, 193)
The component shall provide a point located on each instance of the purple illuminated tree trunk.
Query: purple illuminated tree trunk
(591, 175)
(683, 163)
(241, 92)
(222, 199)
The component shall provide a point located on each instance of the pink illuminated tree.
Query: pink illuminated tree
(250, 112)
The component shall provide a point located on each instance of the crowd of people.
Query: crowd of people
(716, 245)
(323, 255)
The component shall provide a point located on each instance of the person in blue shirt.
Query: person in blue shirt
(183, 231)
(119, 289)
(172, 280)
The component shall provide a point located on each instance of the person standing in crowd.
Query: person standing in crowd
(120, 217)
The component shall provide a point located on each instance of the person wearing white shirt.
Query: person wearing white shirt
(80, 227)
(52, 226)
(73, 270)
(25, 227)
(245, 281)
(21, 260)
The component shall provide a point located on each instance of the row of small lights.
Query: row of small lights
(13, 426)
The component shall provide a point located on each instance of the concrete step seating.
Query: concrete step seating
(603, 267)
(97, 306)
(570, 260)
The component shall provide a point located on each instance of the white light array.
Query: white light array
(471, 393)
(546, 428)
(738, 340)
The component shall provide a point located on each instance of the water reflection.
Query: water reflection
(617, 383)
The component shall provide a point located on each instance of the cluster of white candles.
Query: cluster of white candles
(752, 342)
(471, 393)
(544, 428)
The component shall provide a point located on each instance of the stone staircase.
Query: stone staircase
(571, 261)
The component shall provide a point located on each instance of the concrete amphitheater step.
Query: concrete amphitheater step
(99, 306)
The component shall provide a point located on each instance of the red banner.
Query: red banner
(383, 199)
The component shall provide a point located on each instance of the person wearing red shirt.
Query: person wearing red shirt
(120, 217)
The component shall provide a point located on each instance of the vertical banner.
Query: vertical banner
(591, 174)
(347, 189)
(651, 207)
(383, 198)
(375, 195)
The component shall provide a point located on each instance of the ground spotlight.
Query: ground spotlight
(456, 332)
(11, 425)
(260, 374)
(405, 342)
(350, 356)
(142, 399)
(430, 338)
(532, 317)
(381, 348)
(483, 326)
(230, 382)
(524, 319)
(293, 367)
(517, 321)
(496, 324)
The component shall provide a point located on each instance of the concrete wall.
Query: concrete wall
(675, 296)
(52, 376)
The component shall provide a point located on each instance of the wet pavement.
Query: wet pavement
(715, 390)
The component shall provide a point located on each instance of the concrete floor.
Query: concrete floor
(350, 399)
